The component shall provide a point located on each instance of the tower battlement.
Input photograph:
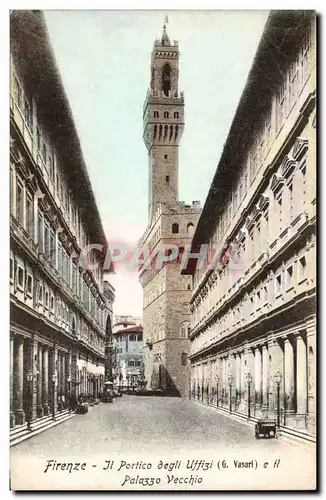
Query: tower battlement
(186, 207)
(158, 43)
(178, 96)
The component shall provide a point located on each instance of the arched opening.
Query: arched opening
(176, 132)
(155, 132)
(175, 228)
(190, 229)
(165, 132)
(166, 79)
(171, 132)
(160, 133)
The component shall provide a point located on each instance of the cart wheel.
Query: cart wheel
(256, 434)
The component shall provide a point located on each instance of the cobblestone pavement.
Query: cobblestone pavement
(135, 423)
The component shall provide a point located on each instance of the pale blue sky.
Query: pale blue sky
(104, 60)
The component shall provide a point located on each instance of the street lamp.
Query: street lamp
(127, 377)
(230, 381)
(54, 378)
(217, 381)
(249, 380)
(278, 378)
(30, 399)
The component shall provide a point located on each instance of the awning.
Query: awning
(90, 367)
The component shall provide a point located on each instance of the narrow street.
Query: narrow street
(134, 424)
(143, 431)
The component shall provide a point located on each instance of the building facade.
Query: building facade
(166, 294)
(253, 324)
(127, 350)
(59, 314)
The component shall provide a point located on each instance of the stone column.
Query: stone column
(69, 377)
(265, 362)
(12, 415)
(311, 347)
(45, 380)
(238, 377)
(74, 372)
(250, 369)
(242, 380)
(59, 375)
(222, 381)
(33, 365)
(39, 408)
(233, 373)
(289, 389)
(63, 376)
(301, 376)
(275, 365)
(257, 377)
(55, 372)
(19, 380)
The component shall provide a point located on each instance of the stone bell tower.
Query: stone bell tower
(163, 123)
(166, 294)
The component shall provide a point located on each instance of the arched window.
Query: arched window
(176, 132)
(175, 228)
(190, 228)
(166, 79)
(184, 358)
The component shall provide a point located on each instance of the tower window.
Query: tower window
(176, 114)
(156, 114)
(167, 179)
(166, 114)
(175, 228)
(165, 157)
(190, 228)
(166, 79)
